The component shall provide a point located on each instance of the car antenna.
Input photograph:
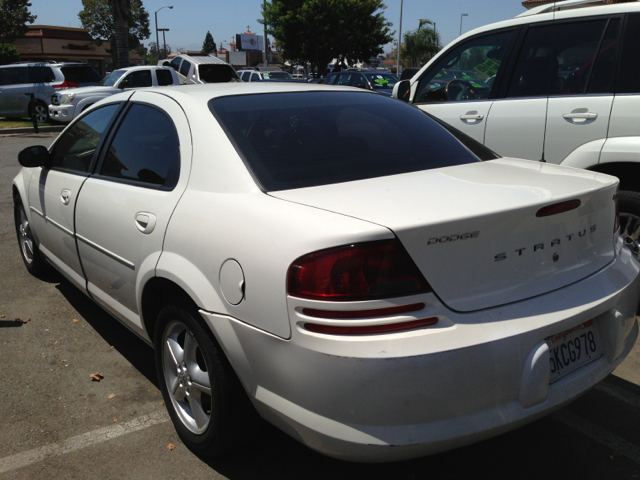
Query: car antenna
(546, 115)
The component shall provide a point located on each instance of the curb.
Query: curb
(13, 131)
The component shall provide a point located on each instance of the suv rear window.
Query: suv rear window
(211, 73)
(80, 74)
(296, 140)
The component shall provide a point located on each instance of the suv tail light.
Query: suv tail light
(66, 84)
(365, 271)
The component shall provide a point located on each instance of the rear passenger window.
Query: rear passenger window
(74, 151)
(604, 71)
(81, 75)
(557, 59)
(145, 149)
(185, 67)
(164, 77)
(255, 77)
(629, 69)
(245, 76)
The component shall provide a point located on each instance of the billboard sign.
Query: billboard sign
(250, 42)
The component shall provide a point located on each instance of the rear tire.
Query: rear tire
(29, 251)
(206, 402)
(629, 205)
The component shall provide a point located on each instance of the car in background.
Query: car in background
(41, 79)
(316, 80)
(199, 69)
(379, 82)
(409, 72)
(559, 83)
(68, 104)
(259, 76)
(377, 285)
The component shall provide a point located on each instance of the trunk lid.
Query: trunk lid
(473, 230)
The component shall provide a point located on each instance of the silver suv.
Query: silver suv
(18, 80)
(201, 69)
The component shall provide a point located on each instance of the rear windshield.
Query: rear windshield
(212, 73)
(381, 80)
(306, 139)
(80, 75)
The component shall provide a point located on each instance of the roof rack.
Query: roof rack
(561, 5)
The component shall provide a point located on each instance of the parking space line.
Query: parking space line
(599, 434)
(619, 393)
(84, 440)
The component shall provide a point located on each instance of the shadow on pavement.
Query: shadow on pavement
(132, 348)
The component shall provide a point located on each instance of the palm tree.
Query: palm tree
(420, 45)
(121, 10)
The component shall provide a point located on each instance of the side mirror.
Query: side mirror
(36, 156)
(402, 90)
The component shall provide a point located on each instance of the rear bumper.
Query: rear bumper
(396, 396)
(61, 113)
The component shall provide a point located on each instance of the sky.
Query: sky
(189, 20)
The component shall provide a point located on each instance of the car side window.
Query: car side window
(629, 67)
(185, 67)
(245, 76)
(468, 72)
(357, 79)
(556, 59)
(139, 79)
(175, 63)
(164, 77)
(604, 70)
(13, 76)
(41, 75)
(255, 77)
(75, 149)
(145, 149)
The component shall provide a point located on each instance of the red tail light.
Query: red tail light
(66, 84)
(363, 271)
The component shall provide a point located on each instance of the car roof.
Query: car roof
(202, 59)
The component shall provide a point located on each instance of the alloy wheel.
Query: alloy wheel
(186, 376)
(41, 113)
(26, 238)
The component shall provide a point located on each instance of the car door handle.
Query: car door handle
(65, 196)
(579, 117)
(471, 117)
(145, 222)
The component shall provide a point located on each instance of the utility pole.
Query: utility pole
(399, 41)
(264, 60)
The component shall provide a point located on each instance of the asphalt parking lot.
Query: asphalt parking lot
(56, 422)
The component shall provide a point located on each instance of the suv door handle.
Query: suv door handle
(145, 222)
(471, 117)
(580, 117)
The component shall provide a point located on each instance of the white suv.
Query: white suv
(558, 83)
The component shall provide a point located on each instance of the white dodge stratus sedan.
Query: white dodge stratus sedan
(374, 283)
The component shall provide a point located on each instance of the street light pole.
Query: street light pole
(399, 41)
(158, 38)
(462, 15)
(164, 40)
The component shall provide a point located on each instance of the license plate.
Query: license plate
(571, 349)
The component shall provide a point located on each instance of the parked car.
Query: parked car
(41, 79)
(374, 283)
(316, 80)
(259, 76)
(381, 83)
(558, 83)
(198, 69)
(408, 73)
(68, 104)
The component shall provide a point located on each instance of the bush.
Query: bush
(8, 54)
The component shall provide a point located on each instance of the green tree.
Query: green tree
(208, 46)
(14, 16)
(8, 54)
(419, 46)
(123, 22)
(151, 58)
(317, 31)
